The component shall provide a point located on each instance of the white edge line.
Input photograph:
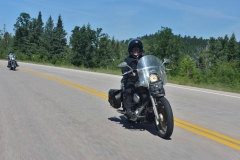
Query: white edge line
(203, 91)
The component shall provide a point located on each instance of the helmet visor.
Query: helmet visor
(135, 49)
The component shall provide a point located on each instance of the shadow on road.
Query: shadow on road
(12, 70)
(135, 126)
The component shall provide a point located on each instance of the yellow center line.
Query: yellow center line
(89, 90)
(202, 133)
(180, 123)
(206, 131)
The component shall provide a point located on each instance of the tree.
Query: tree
(75, 43)
(166, 45)
(21, 28)
(186, 67)
(85, 43)
(162, 40)
(232, 48)
(48, 39)
(5, 39)
(205, 59)
(101, 49)
(36, 31)
(59, 38)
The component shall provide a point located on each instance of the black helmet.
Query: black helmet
(135, 43)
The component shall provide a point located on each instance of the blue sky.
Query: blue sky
(126, 19)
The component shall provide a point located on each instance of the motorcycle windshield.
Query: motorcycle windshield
(148, 65)
(12, 56)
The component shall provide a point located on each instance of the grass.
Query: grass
(213, 86)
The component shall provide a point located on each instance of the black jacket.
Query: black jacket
(132, 62)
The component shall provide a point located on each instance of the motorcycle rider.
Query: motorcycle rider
(10, 56)
(135, 50)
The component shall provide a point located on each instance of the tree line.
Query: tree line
(213, 60)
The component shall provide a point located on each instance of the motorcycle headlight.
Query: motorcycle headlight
(153, 78)
(13, 58)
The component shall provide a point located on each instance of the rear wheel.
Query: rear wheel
(165, 125)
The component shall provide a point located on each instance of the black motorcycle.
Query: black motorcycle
(150, 105)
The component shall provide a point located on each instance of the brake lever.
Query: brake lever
(127, 72)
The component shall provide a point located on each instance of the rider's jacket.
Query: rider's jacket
(132, 62)
(10, 56)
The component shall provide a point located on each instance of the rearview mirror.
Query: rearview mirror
(123, 64)
(166, 61)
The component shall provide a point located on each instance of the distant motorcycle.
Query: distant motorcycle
(12, 60)
(150, 105)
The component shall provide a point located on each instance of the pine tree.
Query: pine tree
(48, 38)
(59, 38)
(75, 43)
(232, 48)
(38, 30)
(21, 28)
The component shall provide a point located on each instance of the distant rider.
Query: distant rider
(9, 58)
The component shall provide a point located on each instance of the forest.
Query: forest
(213, 61)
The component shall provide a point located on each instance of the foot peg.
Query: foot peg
(131, 116)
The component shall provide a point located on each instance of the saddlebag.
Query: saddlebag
(115, 98)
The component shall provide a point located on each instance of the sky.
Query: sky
(126, 19)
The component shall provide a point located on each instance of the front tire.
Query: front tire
(166, 123)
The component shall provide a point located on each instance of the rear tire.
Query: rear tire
(166, 123)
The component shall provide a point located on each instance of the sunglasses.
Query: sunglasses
(136, 49)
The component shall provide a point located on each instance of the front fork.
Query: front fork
(155, 108)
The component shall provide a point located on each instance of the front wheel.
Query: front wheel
(166, 123)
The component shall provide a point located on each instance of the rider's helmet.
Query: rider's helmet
(135, 44)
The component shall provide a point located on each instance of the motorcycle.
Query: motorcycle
(150, 105)
(12, 60)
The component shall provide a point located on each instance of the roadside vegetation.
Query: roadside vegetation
(208, 63)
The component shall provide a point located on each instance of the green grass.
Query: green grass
(213, 86)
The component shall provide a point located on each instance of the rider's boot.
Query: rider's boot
(122, 111)
(129, 114)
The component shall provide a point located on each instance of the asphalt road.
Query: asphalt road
(50, 113)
